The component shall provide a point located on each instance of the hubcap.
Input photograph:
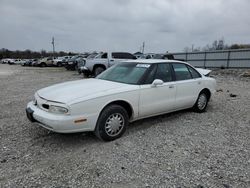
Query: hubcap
(114, 124)
(202, 101)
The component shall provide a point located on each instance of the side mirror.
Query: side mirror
(157, 82)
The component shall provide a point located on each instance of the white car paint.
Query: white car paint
(85, 99)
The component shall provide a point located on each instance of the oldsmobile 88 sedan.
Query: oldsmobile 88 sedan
(125, 92)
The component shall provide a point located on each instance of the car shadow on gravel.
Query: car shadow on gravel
(44, 136)
(152, 121)
(41, 136)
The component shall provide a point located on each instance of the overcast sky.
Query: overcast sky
(122, 25)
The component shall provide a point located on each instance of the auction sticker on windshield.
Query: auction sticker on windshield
(143, 65)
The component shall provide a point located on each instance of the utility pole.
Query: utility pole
(143, 46)
(53, 44)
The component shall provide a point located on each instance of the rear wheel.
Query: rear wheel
(98, 70)
(59, 64)
(201, 103)
(112, 123)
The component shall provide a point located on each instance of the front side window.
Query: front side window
(163, 72)
(181, 72)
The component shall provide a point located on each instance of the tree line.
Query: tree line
(216, 45)
(29, 54)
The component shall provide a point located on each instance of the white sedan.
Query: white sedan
(124, 93)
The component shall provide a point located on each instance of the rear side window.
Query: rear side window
(193, 72)
(181, 72)
(117, 55)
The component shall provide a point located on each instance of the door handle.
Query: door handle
(171, 86)
(111, 60)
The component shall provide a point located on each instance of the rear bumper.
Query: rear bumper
(55, 122)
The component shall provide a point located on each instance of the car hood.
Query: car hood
(68, 92)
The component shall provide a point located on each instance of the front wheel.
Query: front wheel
(98, 70)
(43, 65)
(201, 103)
(112, 123)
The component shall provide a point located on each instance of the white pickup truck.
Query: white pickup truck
(103, 61)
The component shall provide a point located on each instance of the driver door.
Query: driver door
(161, 98)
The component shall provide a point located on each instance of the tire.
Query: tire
(79, 71)
(59, 64)
(43, 65)
(85, 75)
(98, 70)
(201, 103)
(112, 123)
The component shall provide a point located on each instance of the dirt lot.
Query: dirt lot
(182, 149)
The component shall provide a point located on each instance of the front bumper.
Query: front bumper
(55, 122)
(85, 70)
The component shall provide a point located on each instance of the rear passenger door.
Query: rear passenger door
(188, 85)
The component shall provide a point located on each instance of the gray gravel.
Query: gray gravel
(182, 149)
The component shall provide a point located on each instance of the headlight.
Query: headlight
(58, 109)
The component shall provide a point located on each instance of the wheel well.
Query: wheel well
(124, 104)
(99, 65)
(207, 92)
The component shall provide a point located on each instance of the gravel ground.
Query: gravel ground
(182, 149)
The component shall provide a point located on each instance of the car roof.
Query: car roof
(152, 61)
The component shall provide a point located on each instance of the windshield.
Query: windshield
(128, 73)
(92, 56)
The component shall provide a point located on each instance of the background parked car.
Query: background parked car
(5, 60)
(59, 61)
(72, 63)
(34, 63)
(81, 64)
(45, 62)
(11, 61)
(27, 62)
(103, 61)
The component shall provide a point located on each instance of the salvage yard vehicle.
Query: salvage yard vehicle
(126, 92)
(44, 62)
(58, 61)
(105, 60)
(72, 62)
(11, 61)
(81, 64)
(28, 62)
